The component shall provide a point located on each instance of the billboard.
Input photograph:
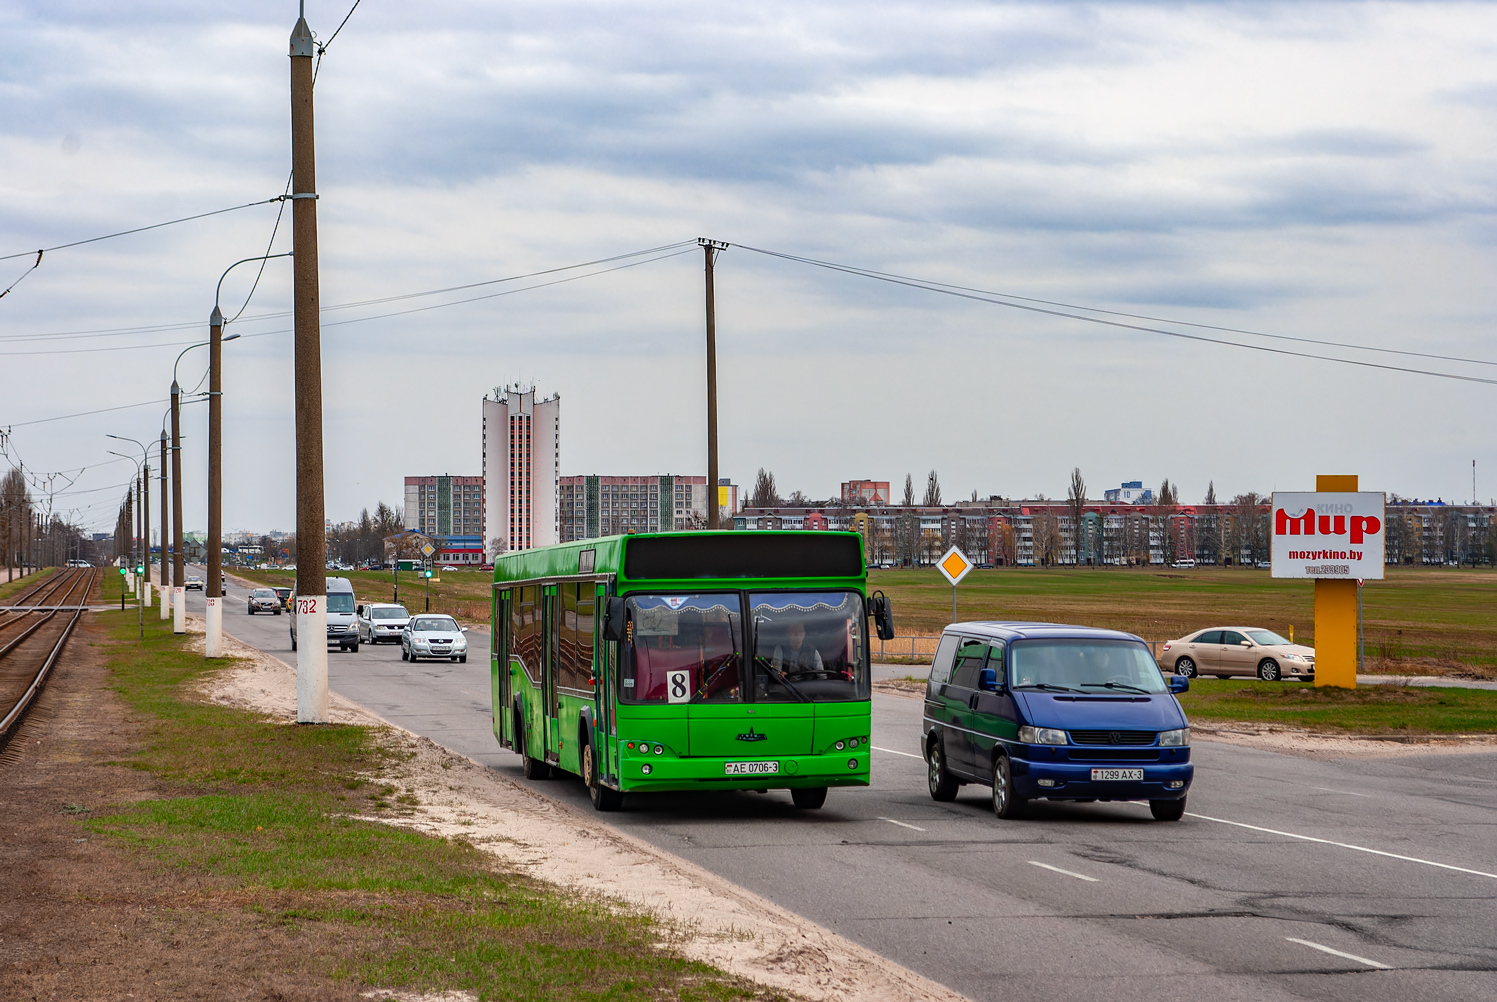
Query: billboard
(1321, 534)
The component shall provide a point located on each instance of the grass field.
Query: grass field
(1379, 709)
(265, 819)
(1417, 620)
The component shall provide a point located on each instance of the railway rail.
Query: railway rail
(34, 628)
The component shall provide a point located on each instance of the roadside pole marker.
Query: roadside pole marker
(1338, 953)
(1069, 873)
(902, 824)
(1345, 845)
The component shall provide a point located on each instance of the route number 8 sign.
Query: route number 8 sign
(678, 686)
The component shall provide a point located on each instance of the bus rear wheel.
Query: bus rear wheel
(604, 798)
(808, 798)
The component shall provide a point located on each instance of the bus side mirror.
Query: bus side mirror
(883, 615)
(613, 619)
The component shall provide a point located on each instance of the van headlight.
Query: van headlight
(1175, 739)
(1042, 736)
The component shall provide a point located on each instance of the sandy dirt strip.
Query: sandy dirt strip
(706, 918)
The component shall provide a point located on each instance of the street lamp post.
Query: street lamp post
(166, 595)
(145, 515)
(136, 521)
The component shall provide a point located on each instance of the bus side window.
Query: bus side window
(940, 668)
(586, 603)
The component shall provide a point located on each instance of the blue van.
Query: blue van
(1041, 710)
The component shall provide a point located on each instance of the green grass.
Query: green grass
(1440, 614)
(8, 588)
(271, 813)
(1380, 709)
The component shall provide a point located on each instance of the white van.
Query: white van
(342, 617)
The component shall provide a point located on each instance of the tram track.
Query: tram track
(34, 629)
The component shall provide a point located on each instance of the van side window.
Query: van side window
(969, 658)
(995, 660)
(940, 668)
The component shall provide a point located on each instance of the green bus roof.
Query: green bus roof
(680, 556)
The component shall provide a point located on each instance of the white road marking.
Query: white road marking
(891, 751)
(901, 824)
(1345, 845)
(1047, 866)
(1345, 793)
(1338, 953)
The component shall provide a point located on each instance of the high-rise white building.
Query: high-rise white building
(521, 467)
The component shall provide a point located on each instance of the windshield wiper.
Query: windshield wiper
(1118, 685)
(785, 681)
(1047, 685)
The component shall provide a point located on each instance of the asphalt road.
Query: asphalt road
(1077, 901)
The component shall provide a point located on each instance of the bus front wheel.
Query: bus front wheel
(604, 799)
(534, 768)
(808, 798)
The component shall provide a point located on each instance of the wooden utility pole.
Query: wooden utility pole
(213, 587)
(710, 250)
(179, 576)
(311, 530)
(166, 595)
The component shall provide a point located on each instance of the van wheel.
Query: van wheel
(1167, 810)
(808, 798)
(463, 659)
(942, 784)
(1005, 804)
(1186, 667)
(604, 798)
(1268, 670)
(293, 642)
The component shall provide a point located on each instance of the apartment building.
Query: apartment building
(595, 505)
(444, 505)
(521, 469)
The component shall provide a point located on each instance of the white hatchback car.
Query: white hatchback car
(433, 636)
(382, 622)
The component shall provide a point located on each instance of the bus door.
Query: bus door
(603, 686)
(499, 669)
(551, 662)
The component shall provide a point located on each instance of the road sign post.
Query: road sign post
(954, 566)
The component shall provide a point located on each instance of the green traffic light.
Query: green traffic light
(122, 572)
(428, 573)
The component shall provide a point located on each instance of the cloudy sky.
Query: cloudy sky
(1319, 171)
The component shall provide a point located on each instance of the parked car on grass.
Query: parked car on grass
(1045, 711)
(382, 622)
(1225, 651)
(264, 600)
(429, 636)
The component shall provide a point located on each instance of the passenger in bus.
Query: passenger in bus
(799, 656)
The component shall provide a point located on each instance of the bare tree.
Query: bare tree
(932, 491)
(1045, 530)
(909, 491)
(1076, 508)
(1166, 502)
(1249, 528)
(798, 499)
(765, 495)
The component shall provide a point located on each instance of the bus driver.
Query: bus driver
(799, 657)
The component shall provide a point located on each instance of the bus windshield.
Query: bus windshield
(808, 647)
(1083, 666)
(683, 649)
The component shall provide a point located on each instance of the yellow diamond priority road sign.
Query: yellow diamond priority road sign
(955, 565)
(428, 549)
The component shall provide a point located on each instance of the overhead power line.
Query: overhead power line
(999, 299)
(139, 229)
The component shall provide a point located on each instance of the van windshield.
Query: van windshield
(1083, 666)
(340, 601)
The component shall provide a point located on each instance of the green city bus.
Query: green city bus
(688, 661)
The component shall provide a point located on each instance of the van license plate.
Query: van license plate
(750, 768)
(1114, 775)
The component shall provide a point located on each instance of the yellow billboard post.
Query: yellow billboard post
(1336, 613)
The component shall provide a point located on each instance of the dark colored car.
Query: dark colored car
(1046, 711)
(284, 594)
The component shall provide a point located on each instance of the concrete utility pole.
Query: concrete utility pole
(166, 594)
(311, 530)
(145, 523)
(710, 250)
(213, 588)
(179, 578)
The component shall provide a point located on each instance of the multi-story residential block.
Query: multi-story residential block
(521, 469)
(865, 492)
(593, 506)
(444, 505)
(1133, 492)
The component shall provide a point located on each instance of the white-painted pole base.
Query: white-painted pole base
(148, 595)
(311, 659)
(166, 602)
(214, 647)
(179, 609)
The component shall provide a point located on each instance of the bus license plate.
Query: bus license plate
(1114, 775)
(750, 768)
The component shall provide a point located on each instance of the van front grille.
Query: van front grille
(1113, 737)
(1112, 755)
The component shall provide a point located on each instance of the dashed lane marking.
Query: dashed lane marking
(1338, 953)
(1069, 873)
(902, 824)
(891, 751)
(1345, 845)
